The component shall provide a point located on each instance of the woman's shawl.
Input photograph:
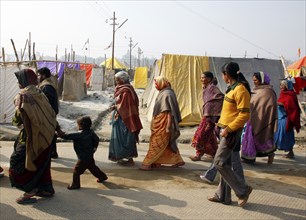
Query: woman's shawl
(213, 100)
(290, 101)
(263, 113)
(166, 101)
(39, 121)
(127, 106)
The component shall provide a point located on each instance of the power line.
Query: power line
(224, 29)
(96, 9)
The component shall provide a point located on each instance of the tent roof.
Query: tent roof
(298, 64)
(117, 64)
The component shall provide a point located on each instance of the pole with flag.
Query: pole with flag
(86, 48)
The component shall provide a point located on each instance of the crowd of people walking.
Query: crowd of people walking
(253, 121)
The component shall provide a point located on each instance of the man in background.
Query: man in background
(47, 86)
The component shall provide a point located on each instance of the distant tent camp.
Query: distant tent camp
(184, 74)
(298, 68)
(117, 64)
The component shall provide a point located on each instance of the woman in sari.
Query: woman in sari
(288, 118)
(126, 123)
(30, 162)
(164, 129)
(258, 138)
(205, 140)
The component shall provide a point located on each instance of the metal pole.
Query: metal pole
(113, 48)
(130, 53)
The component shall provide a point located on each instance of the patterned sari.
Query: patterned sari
(160, 151)
(163, 147)
(204, 139)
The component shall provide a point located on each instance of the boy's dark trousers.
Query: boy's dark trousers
(80, 168)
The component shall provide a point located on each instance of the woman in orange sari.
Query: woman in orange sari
(164, 129)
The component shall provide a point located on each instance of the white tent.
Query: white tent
(8, 90)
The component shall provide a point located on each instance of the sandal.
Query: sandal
(45, 194)
(102, 180)
(288, 156)
(72, 187)
(27, 197)
(126, 163)
(25, 200)
(216, 199)
(145, 167)
(195, 158)
(156, 165)
(271, 158)
(178, 164)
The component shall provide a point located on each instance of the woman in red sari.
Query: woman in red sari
(30, 162)
(164, 129)
(204, 140)
(288, 118)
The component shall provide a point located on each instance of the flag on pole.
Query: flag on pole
(87, 42)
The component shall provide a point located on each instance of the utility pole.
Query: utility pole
(131, 52)
(139, 55)
(113, 47)
(114, 31)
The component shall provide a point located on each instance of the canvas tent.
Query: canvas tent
(96, 80)
(74, 86)
(8, 90)
(184, 74)
(117, 64)
(140, 77)
(298, 68)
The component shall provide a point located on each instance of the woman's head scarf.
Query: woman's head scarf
(287, 83)
(124, 76)
(265, 79)
(161, 82)
(26, 77)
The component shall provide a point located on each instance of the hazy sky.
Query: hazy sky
(265, 29)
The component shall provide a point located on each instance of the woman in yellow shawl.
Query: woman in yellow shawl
(164, 129)
(30, 162)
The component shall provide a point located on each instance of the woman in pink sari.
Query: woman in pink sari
(204, 140)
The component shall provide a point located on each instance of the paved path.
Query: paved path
(168, 193)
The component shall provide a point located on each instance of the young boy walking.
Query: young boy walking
(85, 143)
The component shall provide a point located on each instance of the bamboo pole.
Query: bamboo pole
(15, 51)
(65, 54)
(56, 51)
(34, 57)
(25, 46)
(3, 55)
(73, 56)
(29, 44)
